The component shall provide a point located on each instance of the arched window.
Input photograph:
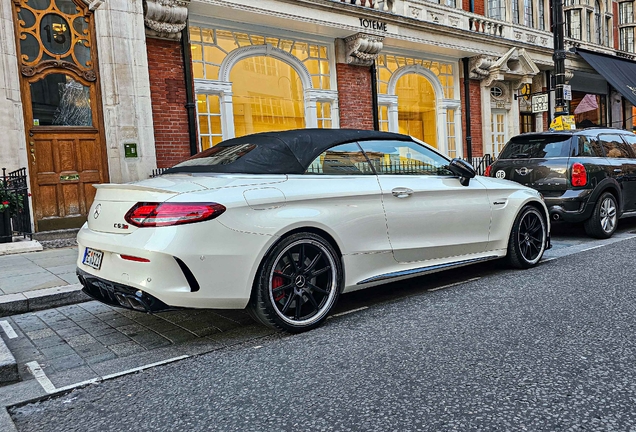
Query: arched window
(419, 97)
(267, 95)
(249, 82)
(417, 113)
(541, 15)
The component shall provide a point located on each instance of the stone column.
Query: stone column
(13, 154)
(125, 85)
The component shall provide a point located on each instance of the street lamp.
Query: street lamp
(560, 108)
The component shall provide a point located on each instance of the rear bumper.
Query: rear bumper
(115, 294)
(572, 206)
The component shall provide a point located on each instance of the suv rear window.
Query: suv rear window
(537, 146)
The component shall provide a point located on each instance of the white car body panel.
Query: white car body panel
(418, 223)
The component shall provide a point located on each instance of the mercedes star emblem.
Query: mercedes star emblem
(97, 211)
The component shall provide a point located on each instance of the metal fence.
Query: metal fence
(157, 172)
(14, 191)
(481, 163)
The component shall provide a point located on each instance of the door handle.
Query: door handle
(33, 155)
(402, 192)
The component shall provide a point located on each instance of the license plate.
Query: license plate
(93, 258)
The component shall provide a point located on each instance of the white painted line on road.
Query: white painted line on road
(35, 368)
(349, 312)
(548, 260)
(594, 247)
(11, 334)
(79, 384)
(140, 368)
(454, 284)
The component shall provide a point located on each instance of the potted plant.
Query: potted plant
(10, 205)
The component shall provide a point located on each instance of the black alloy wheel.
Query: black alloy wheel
(528, 238)
(298, 283)
(604, 220)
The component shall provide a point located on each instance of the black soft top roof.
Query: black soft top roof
(287, 152)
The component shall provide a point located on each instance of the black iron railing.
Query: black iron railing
(157, 172)
(14, 194)
(481, 163)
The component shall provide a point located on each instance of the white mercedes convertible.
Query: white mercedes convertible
(282, 223)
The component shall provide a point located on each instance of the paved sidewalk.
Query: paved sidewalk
(38, 280)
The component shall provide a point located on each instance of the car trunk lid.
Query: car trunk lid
(113, 201)
(537, 161)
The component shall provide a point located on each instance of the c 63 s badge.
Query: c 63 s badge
(500, 174)
(120, 226)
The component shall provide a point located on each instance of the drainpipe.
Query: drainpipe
(548, 79)
(189, 84)
(469, 134)
(374, 97)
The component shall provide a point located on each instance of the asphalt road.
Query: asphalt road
(546, 349)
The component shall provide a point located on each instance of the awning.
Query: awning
(620, 73)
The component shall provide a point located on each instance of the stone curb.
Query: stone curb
(29, 301)
(8, 366)
(20, 247)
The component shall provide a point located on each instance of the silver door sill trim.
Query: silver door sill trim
(424, 270)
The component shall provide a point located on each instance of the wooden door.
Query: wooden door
(62, 109)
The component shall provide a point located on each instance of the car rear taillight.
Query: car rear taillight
(488, 169)
(168, 214)
(579, 175)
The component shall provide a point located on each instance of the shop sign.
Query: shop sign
(372, 24)
(539, 103)
(561, 123)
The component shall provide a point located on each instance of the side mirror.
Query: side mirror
(463, 169)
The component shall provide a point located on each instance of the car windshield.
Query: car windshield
(537, 146)
(218, 156)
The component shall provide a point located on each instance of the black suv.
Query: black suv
(586, 175)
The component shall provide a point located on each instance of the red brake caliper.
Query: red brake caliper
(277, 281)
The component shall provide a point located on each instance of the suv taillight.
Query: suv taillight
(579, 175)
(145, 214)
(488, 169)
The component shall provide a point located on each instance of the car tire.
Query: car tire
(604, 220)
(298, 283)
(528, 238)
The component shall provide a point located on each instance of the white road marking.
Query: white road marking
(349, 312)
(454, 284)
(38, 373)
(11, 334)
(594, 247)
(35, 369)
(140, 368)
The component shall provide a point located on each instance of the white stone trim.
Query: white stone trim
(268, 51)
(222, 89)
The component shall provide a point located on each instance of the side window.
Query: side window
(344, 159)
(404, 158)
(631, 141)
(615, 147)
(589, 146)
